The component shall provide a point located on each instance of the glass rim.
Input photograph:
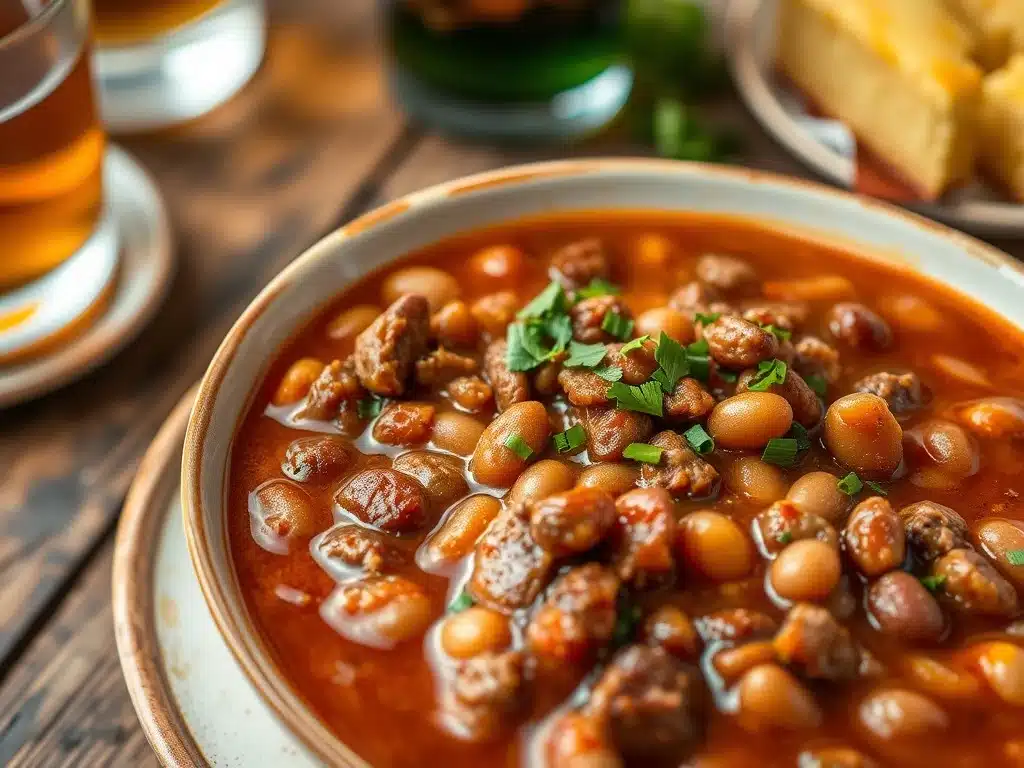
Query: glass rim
(38, 21)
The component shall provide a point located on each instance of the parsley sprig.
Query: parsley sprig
(543, 332)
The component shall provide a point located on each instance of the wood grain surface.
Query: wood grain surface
(310, 143)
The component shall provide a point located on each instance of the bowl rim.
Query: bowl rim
(242, 638)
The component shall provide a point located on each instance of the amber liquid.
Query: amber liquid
(51, 160)
(120, 22)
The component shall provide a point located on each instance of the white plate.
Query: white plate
(750, 45)
(195, 705)
(146, 268)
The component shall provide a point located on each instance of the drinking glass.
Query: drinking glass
(51, 143)
(515, 69)
(162, 62)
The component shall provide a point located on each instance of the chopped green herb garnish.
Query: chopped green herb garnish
(551, 300)
(698, 360)
(699, 348)
(627, 619)
(558, 328)
(617, 325)
(1015, 557)
(646, 398)
(369, 407)
(699, 440)
(818, 384)
(799, 433)
(518, 446)
(524, 349)
(729, 376)
(933, 583)
(781, 451)
(597, 287)
(876, 488)
(571, 439)
(781, 334)
(609, 372)
(461, 603)
(637, 343)
(671, 357)
(706, 318)
(769, 372)
(644, 452)
(785, 537)
(585, 355)
(851, 484)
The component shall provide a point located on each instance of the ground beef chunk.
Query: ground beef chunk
(317, 458)
(789, 315)
(610, 430)
(386, 351)
(859, 327)
(732, 277)
(440, 474)
(734, 626)
(668, 627)
(688, 401)
(901, 391)
(974, 585)
(509, 568)
(571, 522)
(404, 423)
(783, 523)
(576, 264)
(932, 530)
(577, 617)
(353, 548)
(441, 366)
(874, 538)
(486, 694)
(642, 537)
(494, 312)
(807, 408)
(653, 704)
(817, 646)
(816, 358)
(336, 383)
(589, 314)
(736, 343)
(470, 392)
(637, 365)
(583, 387)
(385, 499)
(696, 297)
(510, 387)
(680, 471)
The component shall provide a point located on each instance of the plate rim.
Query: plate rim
(134, 612)
(980, 217)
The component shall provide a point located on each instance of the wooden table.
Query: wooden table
(311, 143)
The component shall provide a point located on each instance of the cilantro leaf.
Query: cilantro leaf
(645, 399)
(598, 287)
(585, 355)
(769, 372)
(618, 326)
(551, 300)
(609, 372)
(672, 359)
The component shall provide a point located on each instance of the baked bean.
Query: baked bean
(859, 327)
(817, 493)
(543, 479)
(961, 371)
(297, 380)
(771, 698)
(895, 714)
(346, 550)
(994, 417)
(862, 434)
(783, 523)
(471, 393)
(493, 462)
(974, 585)
(435, 285)
(674, 324)
(729, 275)
(494, 312)
(714, 546)
(754, 480)
(453, 325)
(378, 611)
(610, 476)
(349, 323)
(749, 420)
(580, 741)
(404, 423)
(281, 515)
(997, 538)
(317, 459)
(813, 643)
(497, 264)
(1002, 665)
(813, 357)
(474, 631)
(912, 313)
(456, 432)
(940, 453)
(670, 628)
(941, 680)
(458, 534)
(874, 537)
(806, 570)
(818, 288)
(903, 608)
(730, 663)
(577, 263)
(440, 474)
(571, 522)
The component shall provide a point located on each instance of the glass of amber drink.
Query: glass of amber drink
(51, 145)
(161, 62)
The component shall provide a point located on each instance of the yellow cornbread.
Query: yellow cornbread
(897, 72)
(1002, 126)
(998, 27)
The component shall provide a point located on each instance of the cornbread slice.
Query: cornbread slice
(897, 72)
(1002, 125)
(998, 25)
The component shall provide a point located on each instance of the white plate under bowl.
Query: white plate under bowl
(195, 705)
(750, 45)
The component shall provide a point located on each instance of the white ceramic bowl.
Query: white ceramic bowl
(298, 293)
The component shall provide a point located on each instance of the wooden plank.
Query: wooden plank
(248, 189)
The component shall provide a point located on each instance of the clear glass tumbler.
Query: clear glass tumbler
(162, 62)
